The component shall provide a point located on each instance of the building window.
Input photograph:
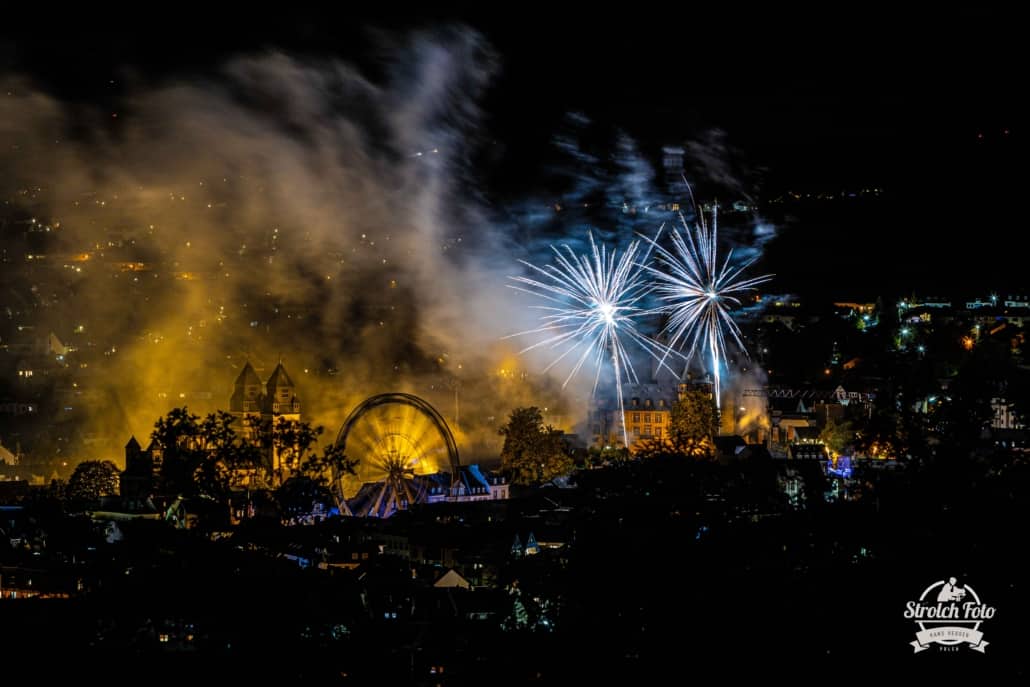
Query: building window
(647, 417)
(636, 431)
(647, 430)
(636, 417)
(658, 432)
(658, 418)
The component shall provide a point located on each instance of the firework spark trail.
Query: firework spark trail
(696, 290)
(597, 300)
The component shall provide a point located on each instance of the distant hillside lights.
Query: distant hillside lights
(835, 195)
(985, 316)
(1012, 302)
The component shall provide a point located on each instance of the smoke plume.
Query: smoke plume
(296, 209)
(282, 207)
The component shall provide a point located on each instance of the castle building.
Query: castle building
(647, 413)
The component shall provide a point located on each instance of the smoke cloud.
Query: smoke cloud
(282, 207)
(296, 209)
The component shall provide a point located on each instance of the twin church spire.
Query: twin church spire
(277, 396)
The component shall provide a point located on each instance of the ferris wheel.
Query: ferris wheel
(398, 440)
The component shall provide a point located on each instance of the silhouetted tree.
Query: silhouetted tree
(91, 480)
(331, 462)
(694, 421)
(836, 436)
(290, 440)
(209, 457)
(532, 453)
(224, 456)
(198, 457)
(676, 445)
(595, 456)
(328, 469)
(176, 436)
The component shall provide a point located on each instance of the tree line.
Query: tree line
(535, 453)
(209, 457)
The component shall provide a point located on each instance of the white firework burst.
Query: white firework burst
(596, 300)
(697, 291)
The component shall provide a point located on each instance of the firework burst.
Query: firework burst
(596, 299)
(697, 291)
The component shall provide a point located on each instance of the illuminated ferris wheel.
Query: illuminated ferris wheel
(398, 440)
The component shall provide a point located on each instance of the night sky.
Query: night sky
(921, 106)
(266, 186)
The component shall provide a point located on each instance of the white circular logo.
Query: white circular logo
(949, 614)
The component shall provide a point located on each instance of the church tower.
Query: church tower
(279, 403)
(139, 478)
(260, 407)
(245, 401)
(246, 394)
(280, 399)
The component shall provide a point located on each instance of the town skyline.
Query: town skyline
(466, 347)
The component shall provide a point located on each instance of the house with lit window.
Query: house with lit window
(647, 413)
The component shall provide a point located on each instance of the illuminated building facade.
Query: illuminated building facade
(647, 414)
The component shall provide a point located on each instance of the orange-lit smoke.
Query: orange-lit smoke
(280, 207)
